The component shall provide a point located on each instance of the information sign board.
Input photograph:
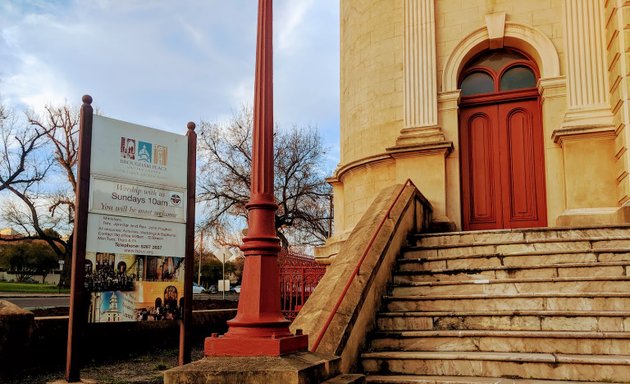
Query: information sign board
(135, 200)
(135, 244)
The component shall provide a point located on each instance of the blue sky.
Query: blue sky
(162, 63)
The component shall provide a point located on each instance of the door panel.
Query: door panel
(522, 204)
(481, 189)
(502, 166)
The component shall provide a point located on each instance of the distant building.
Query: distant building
(9, 232)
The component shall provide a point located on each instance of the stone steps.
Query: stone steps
(501, 364)
(566, 342)
(560, 246)
(532, 235)
(422, 379)
(577, 321)
(585, 301)
(512, 306)
(415, 271)
(513, 286)
(518, 259)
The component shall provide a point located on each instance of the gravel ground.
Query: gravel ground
(144, 368)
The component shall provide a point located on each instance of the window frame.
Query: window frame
(496, 75)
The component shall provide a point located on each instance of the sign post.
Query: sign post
(185, 346)
(223, 285)
(78, 298)
(200, 257)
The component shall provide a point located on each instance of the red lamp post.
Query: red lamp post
(259, 329)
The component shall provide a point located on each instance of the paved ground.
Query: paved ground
(39, 302)
(49, 300)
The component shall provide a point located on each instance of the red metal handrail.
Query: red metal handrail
(356, 269)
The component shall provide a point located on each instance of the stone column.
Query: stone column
(587, 133)
(420, 75)
(421, 145)
(587, 85)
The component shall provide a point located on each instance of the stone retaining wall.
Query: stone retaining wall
(27, 341)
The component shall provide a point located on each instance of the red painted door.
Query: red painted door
(503, 184)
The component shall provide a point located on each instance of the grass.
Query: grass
(30, 288)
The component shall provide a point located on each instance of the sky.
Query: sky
(162, 63)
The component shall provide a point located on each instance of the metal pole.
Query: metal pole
(259, 329)
(200, 257)
(223, 274)
(78, 295)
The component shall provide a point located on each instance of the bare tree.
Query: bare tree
(301, 192)
(19, 165)
(46, 203)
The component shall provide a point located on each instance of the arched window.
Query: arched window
(498, 71)
(477, 83)
(517, 77)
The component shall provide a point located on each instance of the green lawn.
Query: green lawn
(30, 288)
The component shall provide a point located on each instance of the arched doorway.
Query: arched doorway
(502, 164)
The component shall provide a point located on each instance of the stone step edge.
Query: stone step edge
(548, 358)
(596, 252)
(523, 230)
(552, 280)
(590, 239)
(501, 333)
(346, 378)
(493, 296)
(550, 313)
(452, 271)
(413, 379)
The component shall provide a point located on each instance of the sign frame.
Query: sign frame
(164, 216)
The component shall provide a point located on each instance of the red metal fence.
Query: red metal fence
(299, 275)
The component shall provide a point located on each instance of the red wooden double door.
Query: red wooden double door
(502, 165)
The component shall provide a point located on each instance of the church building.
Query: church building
(505, 114)
(482, 198)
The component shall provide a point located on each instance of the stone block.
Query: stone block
(590, 271)
(513, 323)
(610, 324)
(297, 368)
(16, 336)
(561, 323)
(474, 263)
(397, 323)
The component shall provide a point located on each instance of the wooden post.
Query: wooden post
(78, 294)
(189, 262)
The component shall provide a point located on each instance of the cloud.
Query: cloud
(162, 63)
(290, 20)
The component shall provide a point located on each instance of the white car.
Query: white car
(198, 288)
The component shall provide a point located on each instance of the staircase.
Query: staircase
(513, 306)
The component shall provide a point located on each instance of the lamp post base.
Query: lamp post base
(254, 346)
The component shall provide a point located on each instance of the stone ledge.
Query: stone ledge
(296, 368)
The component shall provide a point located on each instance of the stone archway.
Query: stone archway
(519, 36)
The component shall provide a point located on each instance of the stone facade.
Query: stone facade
(401, 63)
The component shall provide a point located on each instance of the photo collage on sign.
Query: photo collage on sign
(125, 287)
